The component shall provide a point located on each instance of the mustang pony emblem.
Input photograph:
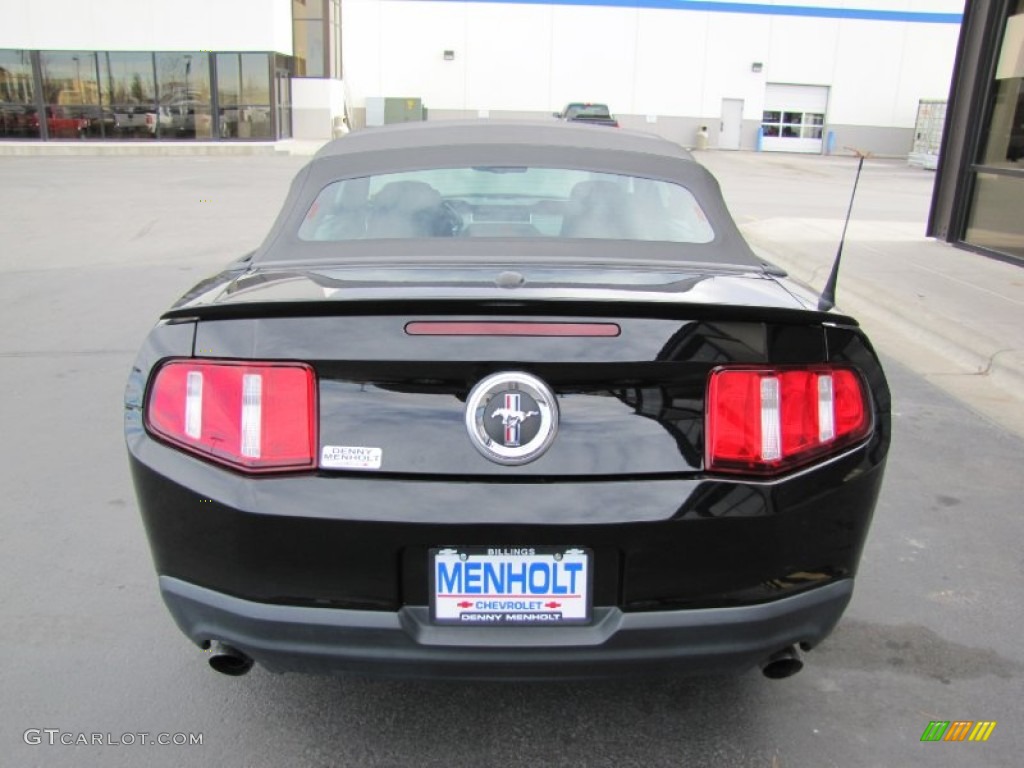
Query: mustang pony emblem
(511, 417)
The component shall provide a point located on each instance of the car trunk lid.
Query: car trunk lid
(625, 358)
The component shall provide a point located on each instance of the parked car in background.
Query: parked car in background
(102, 120)
(137, 119)
(191, 117)
(61, 123)
(587, 112)
(160, 120)
(505, 400)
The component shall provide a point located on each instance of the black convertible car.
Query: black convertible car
(505, 400)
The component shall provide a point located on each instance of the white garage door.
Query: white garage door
(794, 117)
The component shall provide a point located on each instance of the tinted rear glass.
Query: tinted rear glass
(505, 202)
(587, 110)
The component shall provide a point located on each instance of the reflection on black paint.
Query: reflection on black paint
(718, 500)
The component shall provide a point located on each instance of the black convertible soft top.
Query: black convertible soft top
(462, 143)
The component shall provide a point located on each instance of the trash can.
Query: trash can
(702, 137)
(339, 127)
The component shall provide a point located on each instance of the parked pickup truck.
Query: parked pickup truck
(142, 120)
(585, 112)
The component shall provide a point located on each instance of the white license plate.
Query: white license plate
(510, 586)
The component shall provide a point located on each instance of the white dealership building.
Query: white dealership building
(794, 71)
(786, 75)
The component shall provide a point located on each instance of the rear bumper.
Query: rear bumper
(403, 643)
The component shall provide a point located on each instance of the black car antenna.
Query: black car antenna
(828, 295)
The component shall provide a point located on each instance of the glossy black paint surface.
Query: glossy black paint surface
(720, 544)
(406, 394)
(625, 476)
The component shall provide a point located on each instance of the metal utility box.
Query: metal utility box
(382, 110)
(931, 119)
(402, 110)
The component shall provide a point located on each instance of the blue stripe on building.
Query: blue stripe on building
(818, 12)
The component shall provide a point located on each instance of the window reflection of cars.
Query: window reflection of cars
(190, 116)
(60, 123)
(134, 119)
(244, 122)
(159, 119)
(101, 120)
(13, 119)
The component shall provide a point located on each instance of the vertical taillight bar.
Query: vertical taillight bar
(769, 420)
(252, 412)
(826, 409)
(194, 404)
(771, 429)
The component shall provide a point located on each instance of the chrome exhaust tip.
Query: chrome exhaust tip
(228, 660)
(782, 664)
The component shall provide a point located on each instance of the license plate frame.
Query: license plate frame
(554, 585)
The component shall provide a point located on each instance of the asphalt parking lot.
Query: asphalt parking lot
(93, 249)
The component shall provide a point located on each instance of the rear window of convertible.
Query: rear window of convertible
(504, 202)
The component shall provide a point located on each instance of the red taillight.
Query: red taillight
(764, 421)
(258, 417)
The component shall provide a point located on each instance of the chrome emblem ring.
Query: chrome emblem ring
(511, 418)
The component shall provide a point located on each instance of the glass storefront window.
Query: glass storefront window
(71, 95)
(17, 95)
(255, 79)
(309, 48)
(243, 95)
(335, 41)
(283, 96)
(16, 86)
(184, 108)
(143, 95)
(997, 213)
(1004, 142)
(228, 79)
(228, 87)
(316, 38)
(792, 125)
(996, 218)
(255, 118)
(128, 89)
(307, 9)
